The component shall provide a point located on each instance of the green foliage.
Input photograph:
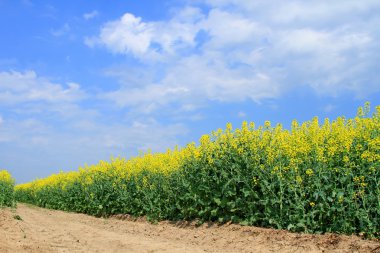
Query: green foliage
(313, 178)
(6, 189)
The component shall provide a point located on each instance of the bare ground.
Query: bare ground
(43, 230)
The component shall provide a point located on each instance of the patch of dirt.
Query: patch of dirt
(44, 230)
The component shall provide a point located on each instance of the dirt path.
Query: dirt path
(43, 230)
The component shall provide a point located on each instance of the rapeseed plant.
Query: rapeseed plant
(314, 177)
(6, 189)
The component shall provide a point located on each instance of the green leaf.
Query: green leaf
(290, 226)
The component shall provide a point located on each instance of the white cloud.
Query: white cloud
(141, 135)
(93, 134)
(37, 143)
(90, 15)
(211, 78)
(61, 31)
(320, 42)
(149, 40)
(252, 50)
(19, 87)
(129, 35)
(183, 91)
(229, 29)
(15, 131)
(148, 98)
(57, 122)
(316, 13)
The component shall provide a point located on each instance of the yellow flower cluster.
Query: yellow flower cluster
(118, 168)
(5, 176)
(304, 142)
(289, 155)
(360, 181)
(6, 189)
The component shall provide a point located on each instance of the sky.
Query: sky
(84, 81)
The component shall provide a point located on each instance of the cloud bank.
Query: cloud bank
(219, 50)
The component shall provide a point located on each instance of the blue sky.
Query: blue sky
(81, 81)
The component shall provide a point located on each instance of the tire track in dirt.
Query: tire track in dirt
(44, 230)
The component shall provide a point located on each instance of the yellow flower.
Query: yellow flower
(309, 172)
(5, 176)
(312, 204)
(254, 180)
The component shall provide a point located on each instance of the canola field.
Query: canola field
(6, 189)
(315, 177)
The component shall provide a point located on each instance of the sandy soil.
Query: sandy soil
(43, 230)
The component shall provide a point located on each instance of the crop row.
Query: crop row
(315, 177)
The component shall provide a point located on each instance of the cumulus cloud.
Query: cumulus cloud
(237, 50)
(29, 96)
(149, 40)
(229, 29)
(19, 87)
(127, 35)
